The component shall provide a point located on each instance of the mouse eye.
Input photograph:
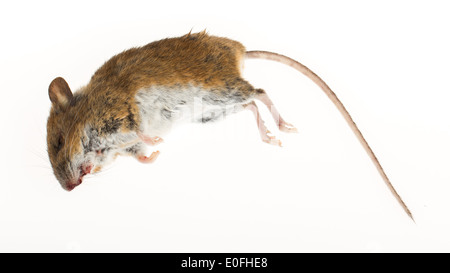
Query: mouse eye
(59, 143)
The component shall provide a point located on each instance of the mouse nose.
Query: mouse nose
(84, 170)
(72, 184)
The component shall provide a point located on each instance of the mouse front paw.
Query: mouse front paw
(148, 159)
(152, 141)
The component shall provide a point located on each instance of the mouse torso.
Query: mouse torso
(142, 87)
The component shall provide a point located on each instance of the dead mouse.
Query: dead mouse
(136, 97)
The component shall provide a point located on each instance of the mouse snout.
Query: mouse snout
(84, 170)
(72, 184)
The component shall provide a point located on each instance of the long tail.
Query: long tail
(332, 96)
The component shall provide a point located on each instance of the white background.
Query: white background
(217, 187)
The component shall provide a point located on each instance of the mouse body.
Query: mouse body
(135, 98)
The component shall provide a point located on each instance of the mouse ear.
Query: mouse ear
(59, 93)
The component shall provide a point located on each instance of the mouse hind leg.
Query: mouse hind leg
(282, 124)
(263, 131)
(239, 92)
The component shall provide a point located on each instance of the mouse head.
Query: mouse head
(73, 151)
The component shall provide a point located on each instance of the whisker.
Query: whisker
(39, 155)
(39, 166)
(46, 175)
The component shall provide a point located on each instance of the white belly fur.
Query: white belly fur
(161, 107)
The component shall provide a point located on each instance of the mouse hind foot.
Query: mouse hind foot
(263, 131)
(282, 124)
(287, 127)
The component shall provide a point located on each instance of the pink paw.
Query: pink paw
(287, 128)
(148, 159)
(270, 139)
(150, 140)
